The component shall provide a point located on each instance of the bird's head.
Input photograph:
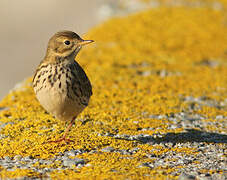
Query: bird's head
(65, 43)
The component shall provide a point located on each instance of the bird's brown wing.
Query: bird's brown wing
(81, 84)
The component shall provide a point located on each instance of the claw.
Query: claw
(65, 134)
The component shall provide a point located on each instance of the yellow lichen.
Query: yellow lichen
(141, 65)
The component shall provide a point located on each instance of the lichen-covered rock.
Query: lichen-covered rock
(159, 108)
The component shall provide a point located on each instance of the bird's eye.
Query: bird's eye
(67, 42)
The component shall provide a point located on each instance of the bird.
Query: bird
(60, 83)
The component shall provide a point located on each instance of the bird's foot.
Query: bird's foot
(60, 140)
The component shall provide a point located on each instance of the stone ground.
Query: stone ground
(159, 109)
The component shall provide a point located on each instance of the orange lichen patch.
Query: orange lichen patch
(17, 173)
(120, 166)
(111, 175)
(212, 111)
(142, 68)
(211, 171)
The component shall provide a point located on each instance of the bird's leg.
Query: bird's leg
(65, 133)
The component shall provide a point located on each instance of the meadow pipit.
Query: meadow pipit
(60, 83)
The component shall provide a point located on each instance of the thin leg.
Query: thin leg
(65, 134)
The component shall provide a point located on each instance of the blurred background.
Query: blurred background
(26, 27)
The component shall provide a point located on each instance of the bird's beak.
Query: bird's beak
(84, 42)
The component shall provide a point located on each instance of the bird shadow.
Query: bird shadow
(191, 135)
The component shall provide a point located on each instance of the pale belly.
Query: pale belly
(58, 104)
(59, 90)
